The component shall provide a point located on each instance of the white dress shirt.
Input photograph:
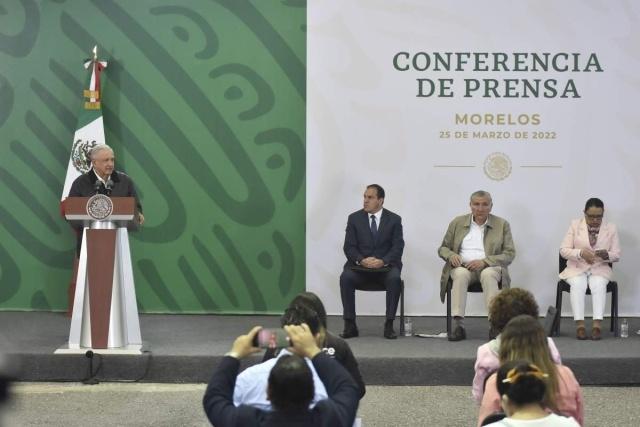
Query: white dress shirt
(472, 246)
(251, 385)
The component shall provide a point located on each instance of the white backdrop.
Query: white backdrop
(366, 125)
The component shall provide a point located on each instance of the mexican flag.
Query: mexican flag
(89, 131)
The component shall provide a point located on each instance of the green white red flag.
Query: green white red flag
(90, 129)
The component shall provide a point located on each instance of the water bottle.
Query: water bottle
(408, 327)
(624, 329)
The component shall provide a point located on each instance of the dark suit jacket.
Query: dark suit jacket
(84, 186)
(359, 244)
(338, 410)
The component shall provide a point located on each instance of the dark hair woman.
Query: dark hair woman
(590, 246)
(524, 339)
(522, 387)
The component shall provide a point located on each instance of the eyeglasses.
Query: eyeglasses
(594, 217)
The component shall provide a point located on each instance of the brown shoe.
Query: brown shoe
(595, 334)
(581, 333)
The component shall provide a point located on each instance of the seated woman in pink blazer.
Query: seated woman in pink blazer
(589, 247)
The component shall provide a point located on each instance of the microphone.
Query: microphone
(96, 186)
(109, 186)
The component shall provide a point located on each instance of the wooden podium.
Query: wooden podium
(105, 314)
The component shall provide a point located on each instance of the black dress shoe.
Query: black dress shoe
(350, 331)
(459, 334)
(389, 333)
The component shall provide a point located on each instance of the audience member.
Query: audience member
(524, 339)
(508, 304)
(522, 387)
(290, 387)
(6, 375)
(251, 384)
(333, 345)
(589, 247)
(8, 372)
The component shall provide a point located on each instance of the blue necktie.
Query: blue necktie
(374, 228)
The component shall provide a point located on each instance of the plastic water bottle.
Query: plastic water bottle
(408, 327)
(624, 329)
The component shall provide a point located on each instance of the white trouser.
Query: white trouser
(598, 286)
(462, 278)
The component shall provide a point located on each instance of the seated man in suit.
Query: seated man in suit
(477, 247)
(373, 245)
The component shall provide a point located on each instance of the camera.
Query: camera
(271, 338)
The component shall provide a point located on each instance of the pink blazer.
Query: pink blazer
(487, 362)
(577, 238)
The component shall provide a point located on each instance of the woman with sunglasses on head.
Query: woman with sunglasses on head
(590, 246)
(522, 387)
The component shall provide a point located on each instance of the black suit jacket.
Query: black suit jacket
(359, 244)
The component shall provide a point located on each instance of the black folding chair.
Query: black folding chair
(563, 286)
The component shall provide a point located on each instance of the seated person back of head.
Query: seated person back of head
(508, 304)
(522, 387)
(524, 339)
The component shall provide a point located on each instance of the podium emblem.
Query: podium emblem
(99, 207)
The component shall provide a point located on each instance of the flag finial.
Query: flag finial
(95, 52)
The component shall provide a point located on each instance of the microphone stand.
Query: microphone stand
(91, 377)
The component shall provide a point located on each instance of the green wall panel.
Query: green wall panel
(204, 104)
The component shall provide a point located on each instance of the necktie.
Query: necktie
(374, 228)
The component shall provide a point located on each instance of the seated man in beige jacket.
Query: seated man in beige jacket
(477, 247)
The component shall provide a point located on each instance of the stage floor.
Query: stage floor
(186, 348)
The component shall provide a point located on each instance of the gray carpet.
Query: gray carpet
(73, 405)
(184, 348)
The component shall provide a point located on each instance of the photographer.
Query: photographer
(333, 345)
(251, 384)
(290, 387)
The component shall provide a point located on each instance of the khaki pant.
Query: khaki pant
(462, 278)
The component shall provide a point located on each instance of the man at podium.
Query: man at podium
(102, 178)
(101, 205)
